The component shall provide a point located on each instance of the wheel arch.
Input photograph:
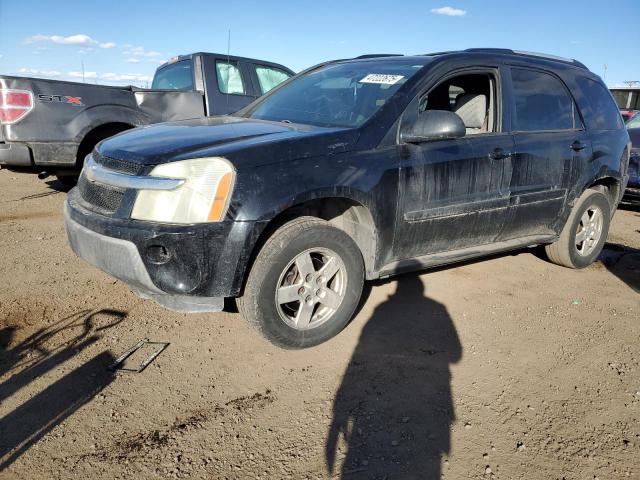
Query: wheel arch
(609, 186)
(346, 213)
(97, 134)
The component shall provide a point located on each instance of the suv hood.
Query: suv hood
(225, 136)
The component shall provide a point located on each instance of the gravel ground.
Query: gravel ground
(508, 368)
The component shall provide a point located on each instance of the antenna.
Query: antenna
(228, 65)
(82, 66)
(604, 77)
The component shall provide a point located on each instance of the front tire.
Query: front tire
(304, 285)
(585, 232)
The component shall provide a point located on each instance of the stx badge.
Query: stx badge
(77, 101)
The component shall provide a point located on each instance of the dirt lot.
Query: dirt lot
(503, 368)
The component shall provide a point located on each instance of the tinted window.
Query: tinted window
(541, 102)
(270, 77)
(338, 94)
(599, 110)
(177, 76)
(229, 78)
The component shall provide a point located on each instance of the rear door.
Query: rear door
(228, 84)
(550, 143)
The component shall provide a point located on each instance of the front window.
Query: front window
(175, 76)
(337, 95)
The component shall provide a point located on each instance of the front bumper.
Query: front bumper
(183, 267)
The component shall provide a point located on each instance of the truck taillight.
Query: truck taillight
(14, 105)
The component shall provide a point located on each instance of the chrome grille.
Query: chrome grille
(122, 166)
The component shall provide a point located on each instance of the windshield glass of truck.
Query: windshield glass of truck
(337, 95)
(176, 76)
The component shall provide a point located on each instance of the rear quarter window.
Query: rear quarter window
(598, 108)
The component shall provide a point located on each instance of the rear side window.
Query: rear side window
(541, 102)
(229, 78)
(176, 76)
(599, 110)
(270, 77)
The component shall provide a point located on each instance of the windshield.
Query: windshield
(337, 95)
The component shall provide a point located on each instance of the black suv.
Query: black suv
(355, 170)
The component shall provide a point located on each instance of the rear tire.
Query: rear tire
(585, 232)
(304, 285)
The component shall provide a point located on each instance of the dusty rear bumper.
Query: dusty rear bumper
(15, 155)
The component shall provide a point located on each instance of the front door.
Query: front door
(452, 192)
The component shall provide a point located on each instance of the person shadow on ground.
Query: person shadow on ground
(393, 411)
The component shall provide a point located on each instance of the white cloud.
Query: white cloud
(449, 11)
(140, 52)
(85, 50)
(132, 60)
(39, 73)
(78, 39)
(107, 45)
(126, 77)
(81, 75)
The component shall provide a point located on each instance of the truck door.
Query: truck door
(228, 84)
(550, 146)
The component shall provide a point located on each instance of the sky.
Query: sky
(118, 43)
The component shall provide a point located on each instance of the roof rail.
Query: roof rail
(376, 55)
(517, 52)
(551, 57)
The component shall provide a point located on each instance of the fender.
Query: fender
(98, 115)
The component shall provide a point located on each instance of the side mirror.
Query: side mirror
(433, 125)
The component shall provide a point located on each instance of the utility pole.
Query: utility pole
(82, 66)
(604, 77)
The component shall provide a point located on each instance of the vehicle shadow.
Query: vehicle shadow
(42, 352)
(394, 408)
(623, 262)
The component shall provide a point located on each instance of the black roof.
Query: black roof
(490, 51)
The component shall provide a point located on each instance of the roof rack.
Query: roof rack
(516, 52)
(376, 55)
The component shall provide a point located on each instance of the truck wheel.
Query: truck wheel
(585, 232)
(304, 285)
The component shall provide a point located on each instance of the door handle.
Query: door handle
(578, 145)
(499, 154)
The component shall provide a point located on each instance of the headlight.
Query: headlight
(203, 197)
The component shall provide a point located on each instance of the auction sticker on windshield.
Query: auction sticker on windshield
(382, 79)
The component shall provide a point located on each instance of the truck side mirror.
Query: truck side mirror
(433, 125)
